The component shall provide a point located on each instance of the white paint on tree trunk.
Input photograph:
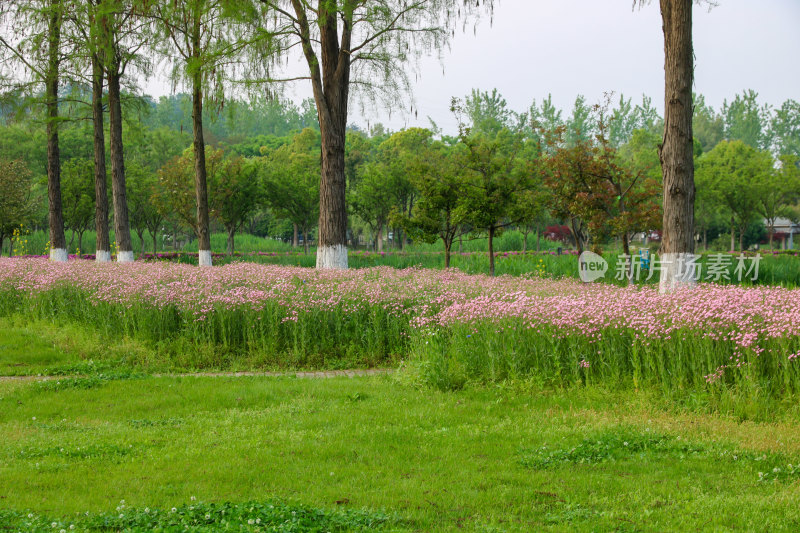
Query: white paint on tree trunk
(204, 258)
(675, 275)
(125, 257)
(102, 256)
(58, 254)
(332, 256)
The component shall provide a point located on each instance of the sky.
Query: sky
(533, 48)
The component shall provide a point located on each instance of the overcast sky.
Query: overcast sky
(568, 47)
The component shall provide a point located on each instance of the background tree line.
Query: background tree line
(593, 169)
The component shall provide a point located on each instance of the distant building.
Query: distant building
(785, 230)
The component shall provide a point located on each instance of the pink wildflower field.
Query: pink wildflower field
(471, 323)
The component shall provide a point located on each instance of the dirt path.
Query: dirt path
(321, 374)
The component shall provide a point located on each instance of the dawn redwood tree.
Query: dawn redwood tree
(87, 35)
(121, 32)
(363, 43)
(32, 40)
(202, 40)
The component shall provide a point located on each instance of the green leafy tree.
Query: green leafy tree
(747, 121)
(579, 126)
(737, 174)
(290, 178)
(708, 126)
(203, 39)
(144, 213)
(78, 192)
(494, 172)
(16, 198)
(176, 199)
(235, 195)
(32, 44)
(442, 211)
(785, 129)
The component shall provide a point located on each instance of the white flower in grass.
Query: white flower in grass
(251, 522)
(174, 510)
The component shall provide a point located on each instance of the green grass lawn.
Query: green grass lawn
(341, 454)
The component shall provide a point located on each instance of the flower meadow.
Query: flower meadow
(448, 328)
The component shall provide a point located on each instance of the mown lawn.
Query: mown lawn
(363, 453)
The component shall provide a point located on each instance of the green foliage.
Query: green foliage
(16, 204)
(785, 129)
(747, 121)
(78, 195)
(235, 194)
(609, 445)
(735, 176)
(290, 180)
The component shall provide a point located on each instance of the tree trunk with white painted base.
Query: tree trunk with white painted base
(103, 247)
(122, 228)
(58, 242)
(200, 180)
(676, 151)
(332, 247)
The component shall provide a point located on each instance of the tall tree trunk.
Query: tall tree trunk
(103, 246)
(231, 234)
(733, 234)
(626, 250)
(577, 234)
(305, 241)
(330, 76)
(741, 238)
(58, 243)
(525, 241)
(491, 251)
(140, 234)
(200, 181)
(155, 243)
(332, 247)
(380, 238)
(771, 233)
(80, 243)
(122, 228)
(676, 150)
(448, 243)
(295, 236)
(538, 237)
